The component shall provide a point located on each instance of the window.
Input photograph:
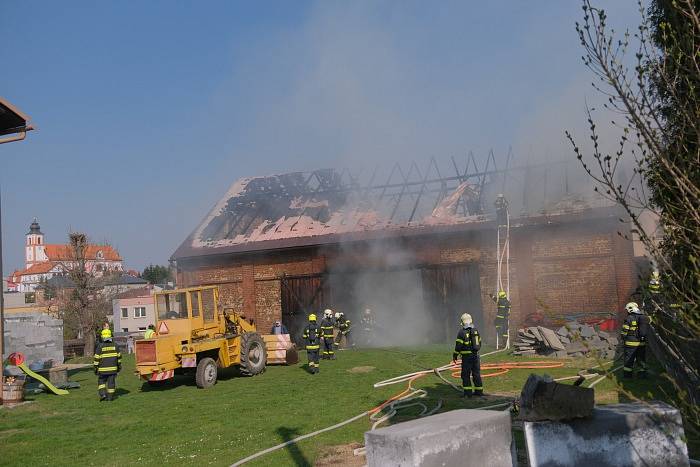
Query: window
(142, 328)
(125, 329)
(125, 312)
(140, 312)
(208, 304)
(30, 297)
(194, 298)
(172, 305)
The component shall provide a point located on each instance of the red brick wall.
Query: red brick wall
(555, 270)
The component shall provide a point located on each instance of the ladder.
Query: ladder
(503, 262)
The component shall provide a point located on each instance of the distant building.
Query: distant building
(134, 310)
(45, 261)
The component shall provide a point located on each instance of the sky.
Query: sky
(148, 111)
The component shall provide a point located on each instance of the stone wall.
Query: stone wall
(36, 335)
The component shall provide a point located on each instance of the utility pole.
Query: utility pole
(15, 123)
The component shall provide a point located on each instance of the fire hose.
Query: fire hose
(408, 397)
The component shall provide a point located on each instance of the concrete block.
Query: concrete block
(456, 438)
(544, 399)
(638, 434)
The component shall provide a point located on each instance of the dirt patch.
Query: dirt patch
(340, 455)
(361, 369)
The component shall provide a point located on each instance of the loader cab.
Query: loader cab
(191, 312)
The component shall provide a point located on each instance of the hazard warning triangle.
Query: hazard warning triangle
(163, 328)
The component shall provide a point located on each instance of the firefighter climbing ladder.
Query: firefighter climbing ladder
(503, 255)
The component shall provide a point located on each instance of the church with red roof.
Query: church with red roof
(44, 261)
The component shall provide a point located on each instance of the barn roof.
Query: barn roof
(327, 206)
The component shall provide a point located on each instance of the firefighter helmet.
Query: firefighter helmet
(466, 319)
(502, 294)
(632, 307)
(312, 317)
(327, 313)
(338, 314)
(106, 334)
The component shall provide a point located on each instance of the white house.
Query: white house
(134, 310)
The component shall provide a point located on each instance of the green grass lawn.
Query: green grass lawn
(181, 424)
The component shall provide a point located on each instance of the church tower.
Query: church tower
(34, 248)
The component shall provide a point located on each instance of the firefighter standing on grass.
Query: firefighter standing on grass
(327, 333)
(343, 325)
(502, 316)
(634, 334)
(107, 363)
(467, 345)
(312, 335)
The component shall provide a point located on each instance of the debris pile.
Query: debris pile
(571, 340)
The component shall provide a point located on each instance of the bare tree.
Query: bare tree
(84, 306)
(651, 80)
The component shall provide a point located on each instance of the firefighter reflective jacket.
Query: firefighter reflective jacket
(327, 328)
(343, 325)
(503, 305)
(468, 342)
(107, 360)
(634, 330)
(312, 334)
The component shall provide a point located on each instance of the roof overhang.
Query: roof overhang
(186, 250)
(12, 120)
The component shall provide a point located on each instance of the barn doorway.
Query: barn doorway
(450, 291)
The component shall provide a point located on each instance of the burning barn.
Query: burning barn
(418, 249)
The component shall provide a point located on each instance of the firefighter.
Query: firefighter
(467, 346)
(327, 334)
(367, 322)
(279, 328)
(312, 335)
(634, 335)
(343, 325)
(501, 210)
(502, 317)
(150, 332)
(107, 363)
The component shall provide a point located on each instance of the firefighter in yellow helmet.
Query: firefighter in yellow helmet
(312, 335)
(467, 346)
(502, 317)
(107, 363)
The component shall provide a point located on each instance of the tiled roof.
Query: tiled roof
(65, 253)
(136, 293)
(39, 268)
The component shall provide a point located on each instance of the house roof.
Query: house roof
(126, 279)
(12, 120)
(39, 268)
(323, 207)
(56, 252)
(136, 293)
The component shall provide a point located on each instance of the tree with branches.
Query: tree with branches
(651, 80)
(84, 307)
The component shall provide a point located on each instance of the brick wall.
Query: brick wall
(555, 270)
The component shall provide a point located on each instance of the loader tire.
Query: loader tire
(253, 354)
(206, 373)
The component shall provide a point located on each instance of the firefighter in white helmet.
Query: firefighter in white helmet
(467, 346)
(327, 335)
(343, 325)
(634, 334)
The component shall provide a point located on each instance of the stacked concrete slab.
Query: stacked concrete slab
(37, 335)
(459, 437)
(571, 340)
(638, 434)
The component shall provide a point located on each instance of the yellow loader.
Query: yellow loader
(194, 336)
